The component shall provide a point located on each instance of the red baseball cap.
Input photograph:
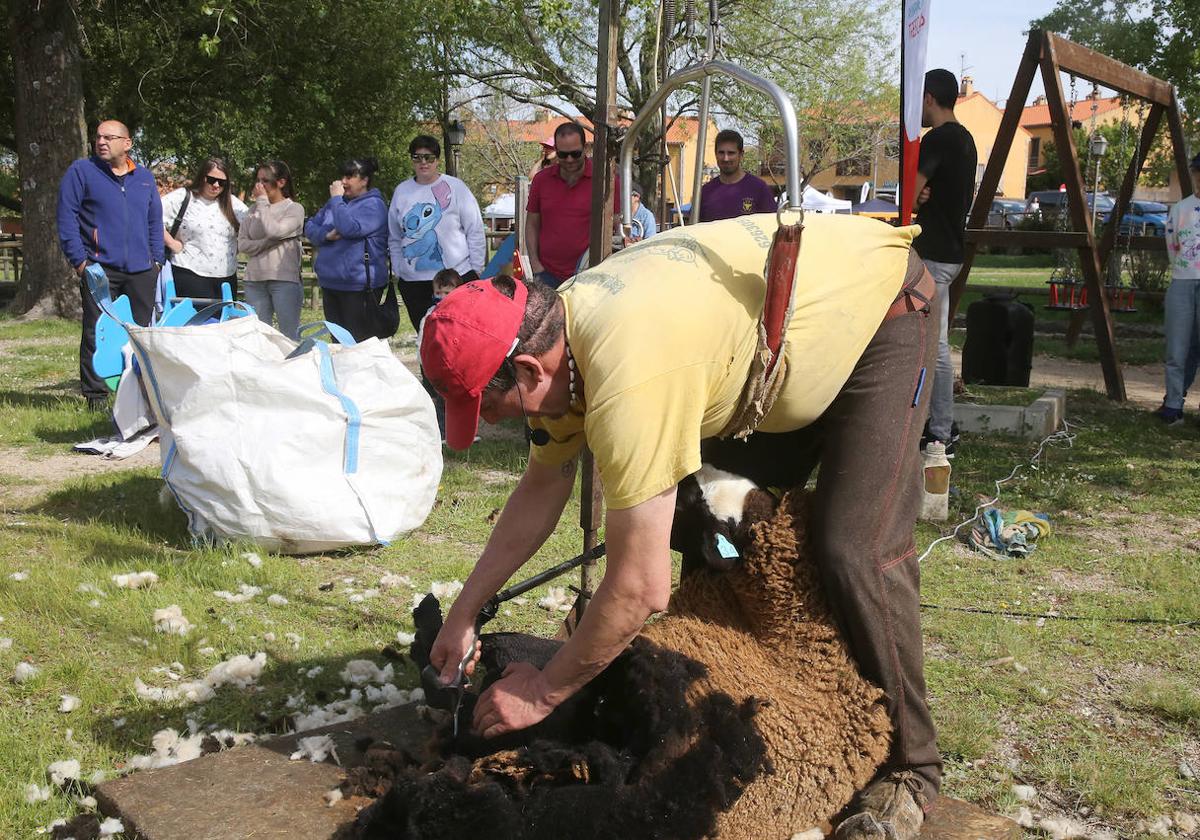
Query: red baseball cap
(464, 340)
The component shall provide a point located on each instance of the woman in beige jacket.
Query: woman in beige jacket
(270, 237)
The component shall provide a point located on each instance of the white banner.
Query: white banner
(916, 37)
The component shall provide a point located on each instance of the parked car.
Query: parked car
(1147, 218)
(1006, 213)
(1049, 202)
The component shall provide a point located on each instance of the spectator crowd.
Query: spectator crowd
(429, 238)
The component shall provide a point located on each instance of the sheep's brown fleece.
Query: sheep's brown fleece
(764, 630)
(737, 715)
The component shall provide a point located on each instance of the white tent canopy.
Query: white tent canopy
(504, 207)
(818, 202)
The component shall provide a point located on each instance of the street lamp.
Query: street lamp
(1098, 145)
(456, 135)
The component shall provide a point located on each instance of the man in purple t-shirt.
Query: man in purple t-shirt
(734, 192)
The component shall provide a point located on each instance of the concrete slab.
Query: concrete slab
(256, 791)
(253, 791)
(1035, 421)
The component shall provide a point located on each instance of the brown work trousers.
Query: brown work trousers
(868, 494)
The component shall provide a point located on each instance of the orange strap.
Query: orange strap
(781, 275)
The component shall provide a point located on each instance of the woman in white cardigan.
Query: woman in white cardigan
(200, 231)
(270, 237)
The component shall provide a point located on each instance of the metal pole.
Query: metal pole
(1095, 190)
(702, 132)
(701, 145)
(591, 506)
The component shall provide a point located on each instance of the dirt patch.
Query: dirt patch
(1160, 531)
(1143, 383)
(1078, 582)
(34, 476)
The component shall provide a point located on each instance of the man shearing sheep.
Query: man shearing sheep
(645, 359)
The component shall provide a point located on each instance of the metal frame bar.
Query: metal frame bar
(704, 70)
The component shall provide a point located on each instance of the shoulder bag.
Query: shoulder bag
(187, 197)
(383, 310)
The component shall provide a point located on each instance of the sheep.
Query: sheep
(714, 510)
(738, 714)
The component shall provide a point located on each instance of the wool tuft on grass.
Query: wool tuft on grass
(24, 672)
(69, 703)
(391, 581)
(444, 590)
(19, 576)
(5, 643)
(36, 793)
(60, 772)
(135, 580)
(245, 593)
(240, 671)
(171, 620)
(1063, 828)
(557, 599)
(252, 558)
(360, 671)
(277, 600)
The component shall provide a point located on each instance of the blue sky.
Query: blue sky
(987, 34)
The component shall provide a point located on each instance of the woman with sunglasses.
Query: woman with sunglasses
(350, 235)
(270, 237)
(434, 223)
(200, 230)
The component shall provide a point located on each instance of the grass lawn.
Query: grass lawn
(1098, 714)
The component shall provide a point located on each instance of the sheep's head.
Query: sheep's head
(714, 511)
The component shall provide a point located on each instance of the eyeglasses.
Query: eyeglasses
(578, 153)
(424, 158)
(108, 138)
(215, 181)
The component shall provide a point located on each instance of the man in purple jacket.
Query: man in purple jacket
(734, 192)
(109, 213)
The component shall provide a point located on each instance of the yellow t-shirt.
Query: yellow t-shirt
(663, 333)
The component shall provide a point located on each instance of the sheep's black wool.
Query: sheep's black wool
(626, 757)
(81, 827)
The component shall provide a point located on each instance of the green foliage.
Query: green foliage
(1123, 138)
(1148, 270)
(829, 55)
(310, 82)
(1161, 37)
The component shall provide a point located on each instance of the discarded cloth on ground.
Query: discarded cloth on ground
(1011, 533)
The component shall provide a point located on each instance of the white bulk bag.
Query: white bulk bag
(337, 446)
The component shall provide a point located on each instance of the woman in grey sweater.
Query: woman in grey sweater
(270, 237)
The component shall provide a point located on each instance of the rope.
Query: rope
(1065, 435)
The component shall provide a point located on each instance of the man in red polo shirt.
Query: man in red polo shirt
(559, 212)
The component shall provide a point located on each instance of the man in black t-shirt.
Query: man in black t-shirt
(944, 188)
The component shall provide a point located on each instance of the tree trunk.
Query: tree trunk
(51, 133)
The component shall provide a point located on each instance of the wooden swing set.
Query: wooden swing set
(1054, 55)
